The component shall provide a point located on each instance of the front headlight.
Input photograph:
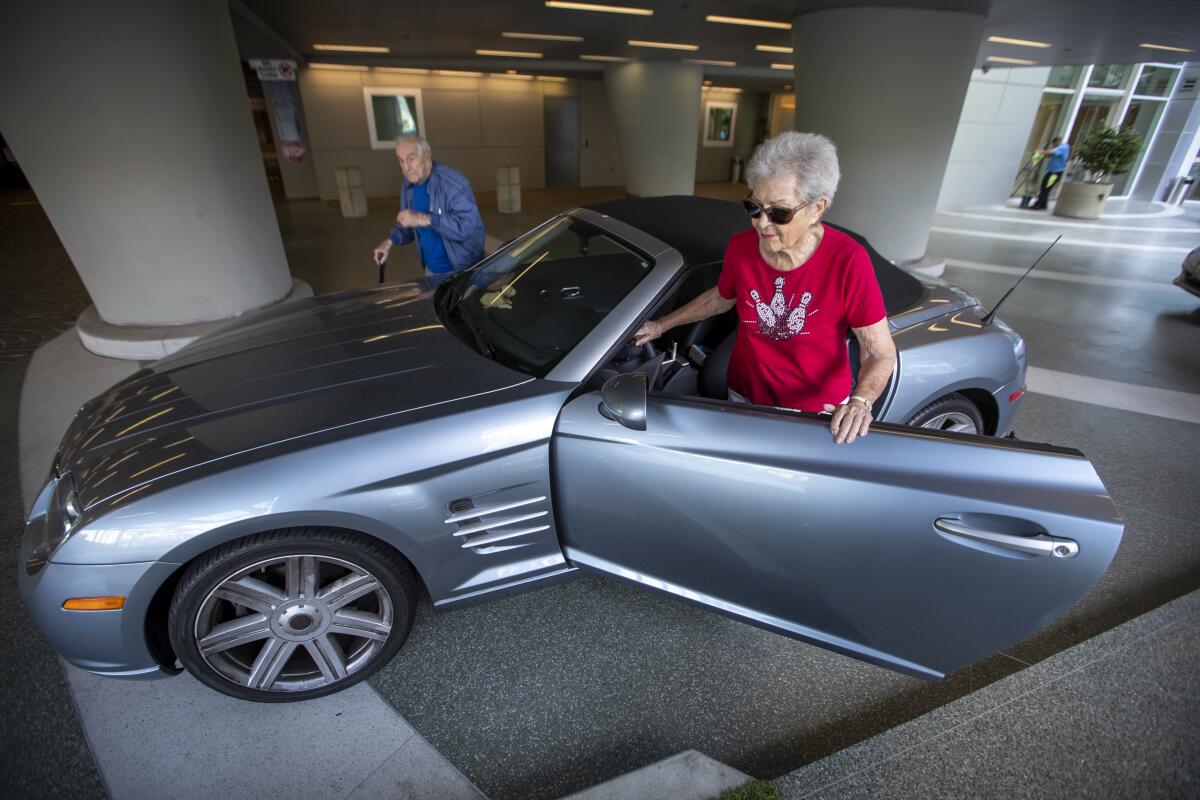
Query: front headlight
(54, 526)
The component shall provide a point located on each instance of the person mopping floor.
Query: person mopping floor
(1028, 179)
(1057, 155)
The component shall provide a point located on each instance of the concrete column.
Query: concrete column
(1174, 147)
(655, 107)
(887, 85)
(132, 124)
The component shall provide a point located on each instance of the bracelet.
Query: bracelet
(866, 403)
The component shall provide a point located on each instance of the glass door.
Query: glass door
(1094, 112)
(1143, 116)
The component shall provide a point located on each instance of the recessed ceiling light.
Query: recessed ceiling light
(604, 58)
(1018, 42)
(350, 67)
(350, 48)
(1165, 47)
(458, 73)
(549, 37)
(787, 88)
(772, 48)
(405, 70)
(663, 45)
(708, 83)
(511, 76)
(508, 53)
(641, 12)
(552, 78)
(711, 62)
(754, 23)
(783, 66)
(726, 89)
(1025, 62)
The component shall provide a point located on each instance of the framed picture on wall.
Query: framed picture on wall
(392, 112)
(719, 118)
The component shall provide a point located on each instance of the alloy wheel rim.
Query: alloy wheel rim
(953, 421)
(294, 623)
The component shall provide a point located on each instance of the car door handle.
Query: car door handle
(570, 292)
(1040, 545)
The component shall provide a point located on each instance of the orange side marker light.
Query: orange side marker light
(110, 603)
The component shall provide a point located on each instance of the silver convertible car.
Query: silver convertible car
(264, 507)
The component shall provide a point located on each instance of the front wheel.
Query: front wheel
(291, 615)
(954, 413)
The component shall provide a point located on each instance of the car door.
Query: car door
(916, 550)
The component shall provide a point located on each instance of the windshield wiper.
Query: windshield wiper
(452, 291)
(485, 347)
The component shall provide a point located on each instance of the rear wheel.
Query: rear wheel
(291, 615)
(954, 413)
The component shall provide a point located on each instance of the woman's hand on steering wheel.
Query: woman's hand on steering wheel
(650, 330)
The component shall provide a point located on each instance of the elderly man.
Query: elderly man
(437, 209)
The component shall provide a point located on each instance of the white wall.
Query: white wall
(713, 163)
(473, 125)
(993, 128)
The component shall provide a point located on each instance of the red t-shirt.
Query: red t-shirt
(792, 326)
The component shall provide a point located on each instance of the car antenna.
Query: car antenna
(992, 314)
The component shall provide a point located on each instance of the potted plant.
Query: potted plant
(1103, 152)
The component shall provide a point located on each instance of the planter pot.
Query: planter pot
(1082, 200)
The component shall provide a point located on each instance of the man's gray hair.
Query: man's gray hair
(810, 158)
(422, 146)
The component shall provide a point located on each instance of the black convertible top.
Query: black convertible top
(700, 227)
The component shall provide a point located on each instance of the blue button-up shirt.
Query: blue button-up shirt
(1058, 158)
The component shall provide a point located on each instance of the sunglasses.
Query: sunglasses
(779, 215)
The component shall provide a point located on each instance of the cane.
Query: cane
(382, 268)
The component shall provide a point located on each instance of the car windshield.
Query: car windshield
(534, 299)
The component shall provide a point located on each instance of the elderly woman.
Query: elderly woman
(798, 286)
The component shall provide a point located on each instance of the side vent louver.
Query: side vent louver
(481, 527)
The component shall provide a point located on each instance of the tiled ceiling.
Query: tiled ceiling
(446, 35)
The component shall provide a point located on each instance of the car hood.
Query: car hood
(291, 371)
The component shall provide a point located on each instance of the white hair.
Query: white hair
(422, 146)
(809, 158)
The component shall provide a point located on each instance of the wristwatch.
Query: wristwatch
(866, 403)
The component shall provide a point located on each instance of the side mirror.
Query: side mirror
(624, 400)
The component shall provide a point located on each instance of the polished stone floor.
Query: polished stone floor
(42, 292)
(1114, 717)
(42, 297)
(541, 694)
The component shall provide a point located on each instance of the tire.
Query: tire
(292, 615)
(953, 413)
